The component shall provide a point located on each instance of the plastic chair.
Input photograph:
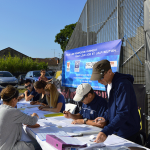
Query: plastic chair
(70, 107)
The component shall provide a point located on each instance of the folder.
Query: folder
(59, 144)
(54, 115)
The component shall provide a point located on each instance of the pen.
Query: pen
(68, 110)
(78, 135)
(98, 120)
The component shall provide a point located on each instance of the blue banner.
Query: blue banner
(78, 63)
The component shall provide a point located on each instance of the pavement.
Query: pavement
(21, 87)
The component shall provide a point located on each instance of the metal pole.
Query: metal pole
(87, 22)
(118, 19)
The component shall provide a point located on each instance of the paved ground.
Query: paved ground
(21, 87)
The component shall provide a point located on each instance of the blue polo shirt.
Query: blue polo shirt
(95, 108)
(34, 93)
(61, 100)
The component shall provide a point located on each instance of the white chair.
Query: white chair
(70, 107)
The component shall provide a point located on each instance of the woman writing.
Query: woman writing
(56, 101)
(11, 120)
(39, 88)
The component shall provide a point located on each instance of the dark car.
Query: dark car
(34, 75)
(6, 78)
(51, 72)
(21, 79)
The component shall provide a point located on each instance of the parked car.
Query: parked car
(51, 73)
(34, 75)
(21, 79)
(6, 78)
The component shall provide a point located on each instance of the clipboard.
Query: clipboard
(61, 145)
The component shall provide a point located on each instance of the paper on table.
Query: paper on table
(113, 140)
(42, 132)
(70, 140)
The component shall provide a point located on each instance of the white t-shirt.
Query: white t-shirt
(109, 86)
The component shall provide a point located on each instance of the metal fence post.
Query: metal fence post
(118, 19)
(87, 19)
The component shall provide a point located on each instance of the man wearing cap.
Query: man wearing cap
(122, 113)
(93, 106)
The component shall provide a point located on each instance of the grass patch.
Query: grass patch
(22, 90)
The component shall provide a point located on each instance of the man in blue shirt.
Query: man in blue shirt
(122, 114)
(30, 94)
(93, 106)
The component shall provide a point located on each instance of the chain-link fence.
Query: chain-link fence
(108, 20)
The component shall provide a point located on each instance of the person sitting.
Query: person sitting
(11, 120)
(93, 106)
(30, 94)
(39, 88)
(56, 101)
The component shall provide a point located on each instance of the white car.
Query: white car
(6, 78)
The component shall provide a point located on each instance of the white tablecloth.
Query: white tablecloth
(112, 141)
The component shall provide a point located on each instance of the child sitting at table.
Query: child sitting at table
(11, 120)
(39, 88)
(56, 101)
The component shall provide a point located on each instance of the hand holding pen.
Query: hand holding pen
(99, 120)
(67, 114)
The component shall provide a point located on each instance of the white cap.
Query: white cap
(81, 90)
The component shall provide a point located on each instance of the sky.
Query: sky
(30, 26)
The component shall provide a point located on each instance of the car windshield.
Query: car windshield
(5, 74)
(38, 74)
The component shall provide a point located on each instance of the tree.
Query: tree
(64, 35)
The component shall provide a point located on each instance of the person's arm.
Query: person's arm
(20, 97)
(93, 123)
(41, 107)
(20, 117)
(28, 98)
(57, 109)
(67, 114)
(89, 122)
(49, 80)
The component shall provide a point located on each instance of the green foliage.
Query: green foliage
(64, 35)
(15, 64)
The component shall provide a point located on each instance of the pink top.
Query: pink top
(44, 79)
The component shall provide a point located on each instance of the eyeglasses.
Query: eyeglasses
(28, 86)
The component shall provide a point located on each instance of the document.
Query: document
(42, 132)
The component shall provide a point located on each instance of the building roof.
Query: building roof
(12, 52)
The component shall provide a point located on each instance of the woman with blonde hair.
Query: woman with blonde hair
(11, 120)
(56, 101)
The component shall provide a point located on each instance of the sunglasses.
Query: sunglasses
(28, 86)
(47, 94)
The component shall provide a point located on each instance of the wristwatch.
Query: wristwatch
(85, 120)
